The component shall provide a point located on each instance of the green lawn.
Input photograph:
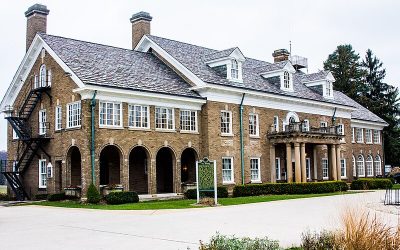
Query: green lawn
(396, 186)
(179, 204)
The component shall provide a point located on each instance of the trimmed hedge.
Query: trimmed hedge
(289, 188)
(39, 197)
(371, 183)
(56, 197)
(222, 192)
(93, 195)
(122, 197)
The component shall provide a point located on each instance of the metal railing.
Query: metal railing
(392, 197)
(305, 128)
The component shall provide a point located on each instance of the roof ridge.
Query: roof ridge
(173, 40)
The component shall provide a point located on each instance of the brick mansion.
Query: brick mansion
(138, 119)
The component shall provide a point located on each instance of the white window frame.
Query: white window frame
(58, 118)
(360, 166)
(42, 173)
(377, 136)
(256, 127)
(257, 160)
(369, 163)
(343, 168)
(325, 168)
(14, 134)
(354, 166)
(36, 81)
(323, 124)
(43, 76)
(169, 119)
(276, 123)
(229, 123)
(378, 165)
(234, 69)
(286, 80)
(144, 116)
(71, 117)
(231, 170)
(115, 122)
(308, 168)
(353, 135)
(368, 136)
(188, 121)
(42, 122)
(306, 125)
(278, 168)
(360, 135)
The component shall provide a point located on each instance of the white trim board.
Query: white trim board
(355, 123)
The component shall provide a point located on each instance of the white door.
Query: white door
(42, 122)
(308, 168)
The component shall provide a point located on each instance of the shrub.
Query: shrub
(39, 197)
(5, 197)
(289, 188)
(315, 241)
(123, 197)
(93, 195)
(56, 197)
(222, 192)
(222, 242)
(371, 183)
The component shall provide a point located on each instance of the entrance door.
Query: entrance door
(308, 168)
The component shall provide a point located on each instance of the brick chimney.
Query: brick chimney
(140, 26)
(36, 16)
(280, 55)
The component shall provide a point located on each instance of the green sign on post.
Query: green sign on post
(206, 177)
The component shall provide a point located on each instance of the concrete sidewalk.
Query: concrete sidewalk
(36, 227)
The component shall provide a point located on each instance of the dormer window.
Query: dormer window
(328, 89)
(286, 80)
(234, 69)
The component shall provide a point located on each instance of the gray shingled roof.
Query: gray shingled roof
(218, 54)
(314, 76)
(271, 67)
(361, 113)
(108, 66)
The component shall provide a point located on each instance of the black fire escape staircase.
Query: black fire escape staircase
(32, 141)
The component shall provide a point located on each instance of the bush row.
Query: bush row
(222, 192)
(289, 188)
(371, 183)
(122, 197)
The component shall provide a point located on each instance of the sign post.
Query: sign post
(206, 178)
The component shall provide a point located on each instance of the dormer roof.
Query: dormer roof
(232, 53)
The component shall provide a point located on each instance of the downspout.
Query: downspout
(93, 106)
(241, 138)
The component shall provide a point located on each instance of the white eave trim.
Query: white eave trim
(146, 43)
(140, 97)
(22, 74)
(356, 123)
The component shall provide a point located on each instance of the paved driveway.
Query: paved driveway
(36, 227)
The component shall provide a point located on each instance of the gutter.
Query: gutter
(241, 138)
(92, 107)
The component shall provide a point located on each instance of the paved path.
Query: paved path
(36, 227)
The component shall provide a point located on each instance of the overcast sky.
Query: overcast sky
(256, 27)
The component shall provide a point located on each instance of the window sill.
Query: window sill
(226, 135)
(189, 132)
(139, 129)
(360, 142)
(229, 183)
(343, 177)
(111, 127)
(165, 130)
(73, 128)
(256, 182)
(325, 178)
(369, 143)
(254, 137)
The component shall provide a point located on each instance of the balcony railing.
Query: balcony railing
(301, 127)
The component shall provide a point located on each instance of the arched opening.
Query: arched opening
(110, 163)
(188, 165)
(360, 166)
(369, 163)
(74, 164)
(164, 170)
(138, 170)
(378, 166)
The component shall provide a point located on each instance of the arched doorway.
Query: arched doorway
(138, 170)
(188, 166)
(74, 164)
(110, 162)
(164, 170)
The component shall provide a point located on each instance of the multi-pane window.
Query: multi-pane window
(42, 75)
(359, 135)
(58, 117)
(110, 114)
(278, 168)
(36, 81)
(227, 169)
(276, 123)
(325, 173)
(323, 124)
(354, 166)
(164, 118)
(188, 120)
(226, 122)
(340, 129)
(253, 125)
(328, 88)
(255, 169)
(42, 173)
(377, 136)
(306, 125)
(343, 168)
(360, 166)
(42, 122)
(74, 114)
(378, 165)
(370, 165)
(353, 139)
(138, 116)
(49, 77)
(234, 69)
(368, 135)
(286, 80)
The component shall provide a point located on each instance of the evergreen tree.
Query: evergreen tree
(345, 67)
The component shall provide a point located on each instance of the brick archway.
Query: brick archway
(165, 165)
(110, 165)
(74, 166)
(139, 161)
